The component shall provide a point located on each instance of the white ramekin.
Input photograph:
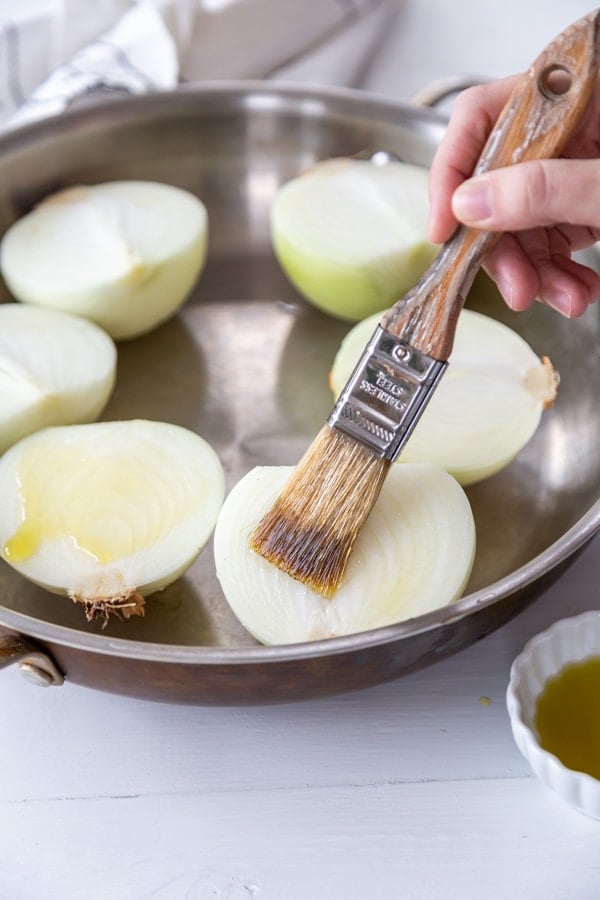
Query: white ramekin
(567, 641)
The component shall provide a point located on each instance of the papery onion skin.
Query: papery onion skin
(487, 406)
(123, 254)
(351, 235)
(55, 369)
(414, 554)
(110, 512)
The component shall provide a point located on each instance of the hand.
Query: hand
(548, 208)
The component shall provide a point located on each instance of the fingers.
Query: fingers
(577, 286)
(536, 265)
(534, 200)
(516, 277)
(527, 195)
(546, 209)
(473, 117)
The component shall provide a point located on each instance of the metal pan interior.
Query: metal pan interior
(245, 363)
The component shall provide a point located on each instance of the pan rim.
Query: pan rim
(242, 89)
(47, 632)
(542, 564)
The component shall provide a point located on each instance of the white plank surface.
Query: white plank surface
(390, 840)
(414, 784)
(413, 789)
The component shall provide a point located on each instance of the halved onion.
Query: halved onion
(351, 234)
(55, 369)
(124, 254)
(109, 512)
(487, 406)
(414, 554)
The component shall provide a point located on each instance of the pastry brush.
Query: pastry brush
(310, 530)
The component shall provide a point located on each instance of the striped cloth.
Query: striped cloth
(55, 51)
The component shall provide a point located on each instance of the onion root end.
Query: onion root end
(122, 606)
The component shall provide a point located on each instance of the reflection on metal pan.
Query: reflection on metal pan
(233, 145)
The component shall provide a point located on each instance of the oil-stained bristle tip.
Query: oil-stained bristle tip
(310, 530)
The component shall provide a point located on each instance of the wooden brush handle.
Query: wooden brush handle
(536, 122)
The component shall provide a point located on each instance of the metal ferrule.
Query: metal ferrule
(386, 394)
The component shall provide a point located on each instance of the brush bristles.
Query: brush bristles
(310, 530)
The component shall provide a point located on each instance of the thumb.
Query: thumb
(532, 194)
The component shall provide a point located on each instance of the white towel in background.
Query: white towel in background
(55, 51)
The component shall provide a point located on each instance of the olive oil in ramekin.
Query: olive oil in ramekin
(568, 716)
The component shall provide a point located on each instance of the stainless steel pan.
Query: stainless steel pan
(233, 145)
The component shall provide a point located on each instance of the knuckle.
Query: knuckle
(536, 194)
(471, 111)
(469, 98)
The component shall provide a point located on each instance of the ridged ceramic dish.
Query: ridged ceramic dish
(567, 641)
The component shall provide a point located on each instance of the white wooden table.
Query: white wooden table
(413, 789)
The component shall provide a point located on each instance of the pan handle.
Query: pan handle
(437, 91)
(33, 662)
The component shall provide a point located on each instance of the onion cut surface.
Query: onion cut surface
(124, 254)
(351, 234)
(487, 406)
(55, 369)
(110, 512)
(413, 555)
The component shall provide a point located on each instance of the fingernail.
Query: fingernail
(472, 201)
(558, 300)
(505, 287)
